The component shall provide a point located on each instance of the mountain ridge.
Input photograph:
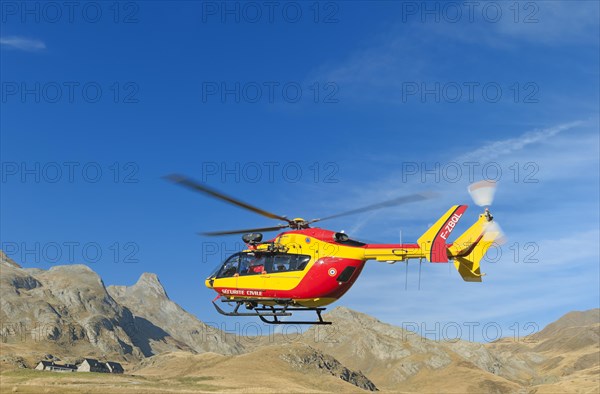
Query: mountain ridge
(66, 312)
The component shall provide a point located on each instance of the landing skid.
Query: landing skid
(271, 314)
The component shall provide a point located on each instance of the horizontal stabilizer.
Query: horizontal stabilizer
(471, 247)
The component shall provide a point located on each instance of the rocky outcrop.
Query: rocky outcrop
(309, 358)
(150, 304)
(7, 261)
(69, 307)
(386, 353)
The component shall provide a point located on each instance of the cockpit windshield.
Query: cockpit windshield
(252, 263)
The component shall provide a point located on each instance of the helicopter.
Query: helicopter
(305, 268)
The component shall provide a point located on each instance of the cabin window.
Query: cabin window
(254, 263)
(243, 264)
(290, 262)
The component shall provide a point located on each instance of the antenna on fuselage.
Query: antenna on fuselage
(406, 276)
(420, 261)
(406, 266)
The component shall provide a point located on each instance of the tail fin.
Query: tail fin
(470, 247)
(433, 241)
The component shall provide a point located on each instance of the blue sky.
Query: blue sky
(307, 109)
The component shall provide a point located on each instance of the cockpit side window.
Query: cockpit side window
(230, 267)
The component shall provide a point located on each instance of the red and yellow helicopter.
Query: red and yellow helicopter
(306, 268)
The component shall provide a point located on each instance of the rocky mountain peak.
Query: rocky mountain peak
(346, 316)
(571, 319)
(149, 282)
(578, 318)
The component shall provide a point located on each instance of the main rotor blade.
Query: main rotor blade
(191, 184)
(386, 204)
(250, 230)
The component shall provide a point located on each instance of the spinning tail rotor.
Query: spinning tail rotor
(468, 250)
(483, 193)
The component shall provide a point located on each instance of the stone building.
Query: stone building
(52, 366)
(114, 367)
(91, 365)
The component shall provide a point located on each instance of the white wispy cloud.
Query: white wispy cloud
(507, 146)
(22, 43)
(551, 22)
(555, 157)
(409, 51)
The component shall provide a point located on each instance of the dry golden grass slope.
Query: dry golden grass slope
(292, 368)
(564, 357)
(567, 354)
